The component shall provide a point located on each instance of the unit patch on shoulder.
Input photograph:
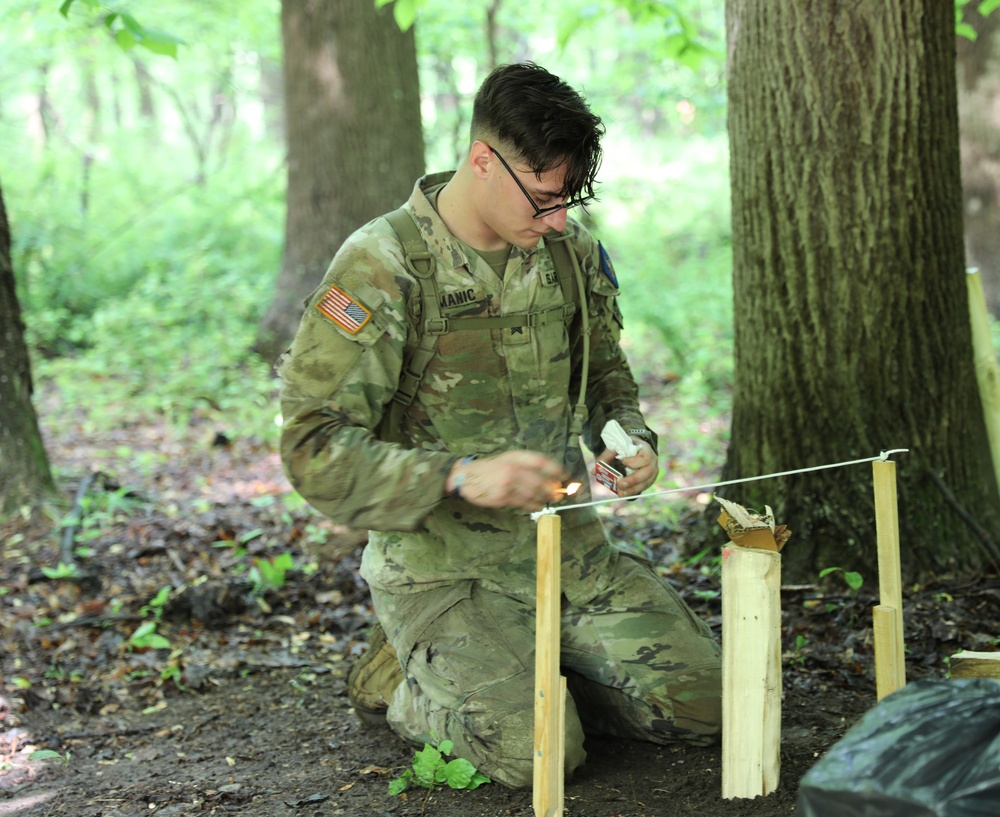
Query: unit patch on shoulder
(343, 310)
(606, 266)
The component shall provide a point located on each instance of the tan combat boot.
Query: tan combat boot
(374, 677)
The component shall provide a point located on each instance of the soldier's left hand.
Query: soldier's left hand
(645, 467)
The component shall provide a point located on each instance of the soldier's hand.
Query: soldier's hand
(526, 480)
(644, 465)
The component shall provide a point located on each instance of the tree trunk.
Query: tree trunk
(355, 140)
(851, 323)
(25, 476)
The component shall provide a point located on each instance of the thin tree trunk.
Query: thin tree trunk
(25, 476)
(851, 319)
(355, 140)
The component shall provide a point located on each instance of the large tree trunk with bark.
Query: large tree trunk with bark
(25, 476)
(355, 140)
(852, 327)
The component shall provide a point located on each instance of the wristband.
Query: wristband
(645, 433)
(459, 481)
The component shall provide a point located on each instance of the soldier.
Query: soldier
(435, 393)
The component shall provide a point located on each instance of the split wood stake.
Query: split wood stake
(751, 671)
(890, 663)
(968, 664)
(550, 687)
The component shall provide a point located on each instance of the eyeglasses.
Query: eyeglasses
(540, 212)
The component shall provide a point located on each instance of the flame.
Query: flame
(572, 488)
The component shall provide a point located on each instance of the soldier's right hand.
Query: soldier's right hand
(526, 480)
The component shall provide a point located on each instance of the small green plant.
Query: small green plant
(430, 770)
(854, 580)
(270, 574)
(145, 635)
(61, 571)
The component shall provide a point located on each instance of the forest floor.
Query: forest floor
(242, 709)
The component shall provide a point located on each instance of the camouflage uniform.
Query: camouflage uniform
(454, 584)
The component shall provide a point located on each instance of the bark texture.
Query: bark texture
(25, 476)
(355, 140)
(851, 323)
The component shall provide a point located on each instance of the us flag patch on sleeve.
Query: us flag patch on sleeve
(343, 310)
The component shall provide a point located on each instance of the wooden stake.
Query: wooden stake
(889, 647)
(751, 671)
(987, 374)
(550, 687)
(890, 673)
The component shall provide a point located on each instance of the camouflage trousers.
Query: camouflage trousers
(639, 664)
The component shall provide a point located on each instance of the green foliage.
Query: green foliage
(984, 8)
(404, 11)
(127, 31)
(50, 754)
(430, 770)
(145, 635)
(854, 580)
(269, 574)
(61, 571)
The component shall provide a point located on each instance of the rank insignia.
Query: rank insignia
(606, 266)
(343, 310)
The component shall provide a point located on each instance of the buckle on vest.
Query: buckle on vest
(427, 263)
(436, 326)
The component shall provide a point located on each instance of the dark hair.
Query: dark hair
(544, 120)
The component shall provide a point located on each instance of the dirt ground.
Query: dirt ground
(243, 709)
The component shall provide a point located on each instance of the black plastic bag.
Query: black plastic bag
(931, 749)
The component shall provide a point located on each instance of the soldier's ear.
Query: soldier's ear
(481, 159)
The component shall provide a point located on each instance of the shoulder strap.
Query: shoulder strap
(570, 277)
(563, 260)
(420, 262)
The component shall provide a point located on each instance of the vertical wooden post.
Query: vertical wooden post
(987, 373)
(751, 671)
(890, 662)
(550, 687)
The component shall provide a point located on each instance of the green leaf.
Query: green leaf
(425, 765)
(987, 7)
(64, 8)
(125, 40)
(458, 773)
(854, 580)
(160, 42)
(967, 31)
(477, 780)
(405, 12)
(46, 754)
(143, 630)
(398, 786)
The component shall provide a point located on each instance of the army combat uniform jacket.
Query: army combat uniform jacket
(485, 392)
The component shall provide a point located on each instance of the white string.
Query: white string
(881, 457)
